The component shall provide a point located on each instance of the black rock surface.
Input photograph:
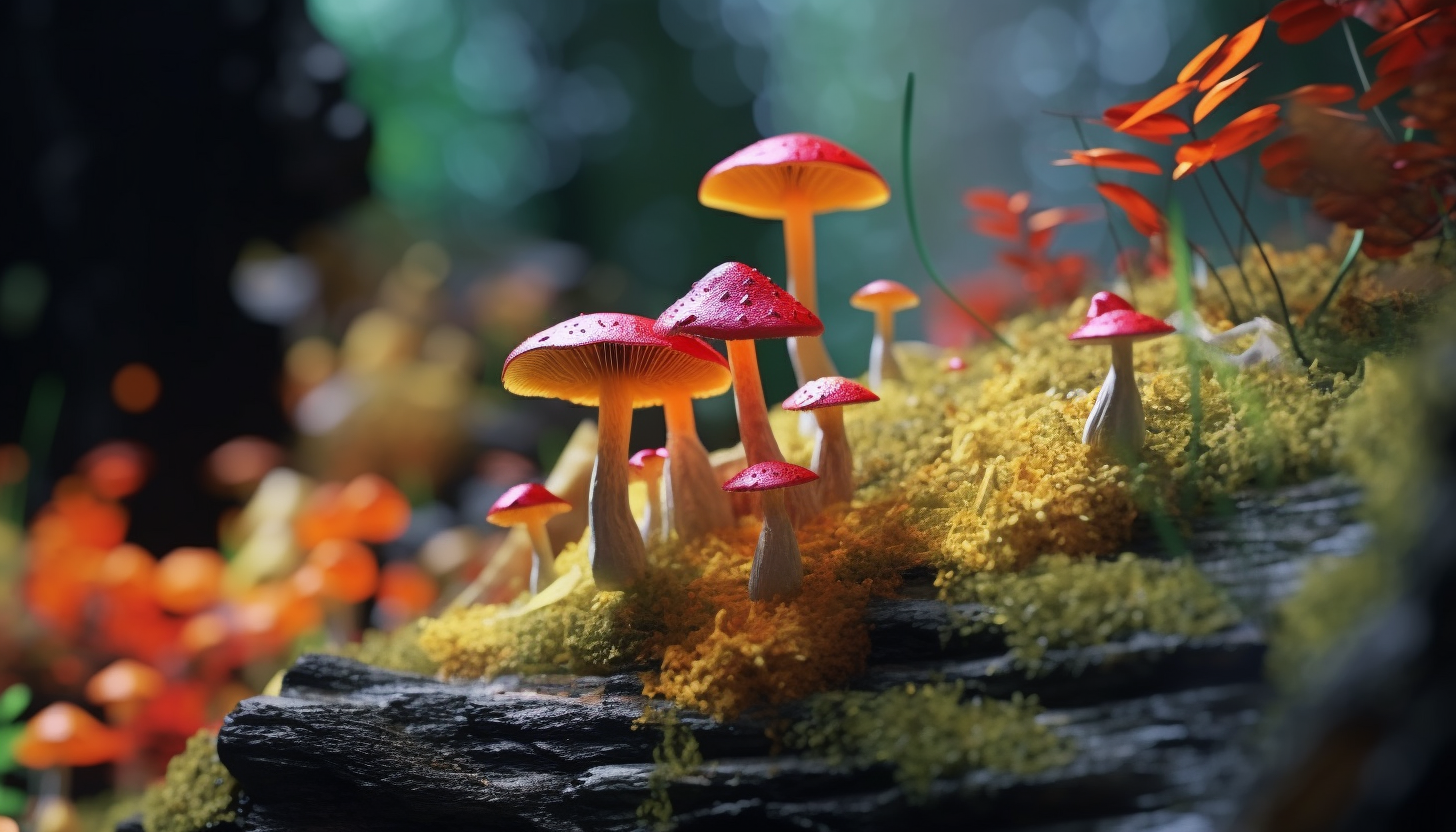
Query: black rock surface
(1161, 724)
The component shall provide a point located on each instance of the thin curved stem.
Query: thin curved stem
(1237, 318)
(1106, 210)
(914, 223)
(1364, 79)
(1349, 261)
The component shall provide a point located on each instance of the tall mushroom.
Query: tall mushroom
(61, 737)
(693, 502)
(833, 460)
(884, 298)
(791, 178)
(738, 304)
(1116, 424)
(123, 688)
(615, 362)
(777, 567)
(646, 467)
(531, 505)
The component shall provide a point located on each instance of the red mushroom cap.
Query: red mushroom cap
(524, 502)
(735, 302)
(768, 476)
(572, 359)
(755, 180)
(1120, 325)
(830, 391)
(648, 456)
(1104, 302)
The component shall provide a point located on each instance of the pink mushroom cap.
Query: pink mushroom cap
(830, 391)
(769, 476)
(735, 302)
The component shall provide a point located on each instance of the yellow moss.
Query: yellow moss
(676, 756)
(398, 649)
(197, 792)
(927, 732)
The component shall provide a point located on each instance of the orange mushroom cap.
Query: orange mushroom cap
(376, 510)
(756, 180)
(572, 359)
(405, 591)
(188, 580)
(524, 503)
(884, 296)
(64, 735)
(347, 570)
(124, 681)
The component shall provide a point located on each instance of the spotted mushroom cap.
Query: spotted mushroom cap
(758, 180)
(830, 391)
(648, 462)
(735, 302)
(769, 476)
(524, 503)
(884, 295)
(572, 360)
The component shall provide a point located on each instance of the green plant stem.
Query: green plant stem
(1364, 79)
(1234, 314)
(1274, 278)
(1181, 263)
(1107, 212)
(1223, 235)
(1349, 261)
(914, 223)
(1244, 200)
(36, 433)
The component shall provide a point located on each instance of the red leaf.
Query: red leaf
(1108, 157)
(1019, 202)
(1004, 228)
(1158, 103)
(1290, 8)
(1144, 216)
(985, 199)
(1284, 150)
(1191, 68)
(1321, 94)
(1039, 240)
(1384, 87)
(1237, 48)
(1399, 33)
(1053, 217)
(1016, 260)
(1183, 169)
(1245, 130)
(1310, 24)
(1220, 93)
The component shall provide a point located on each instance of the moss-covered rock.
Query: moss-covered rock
(197, 793)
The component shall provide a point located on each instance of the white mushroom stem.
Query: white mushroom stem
(777, 567)
(694, 500)
(759, 444)
(543, 566)
(1116, 424)
(811, 360)
(833, 461)
(617, 556)
(653, 530)
(882, 353)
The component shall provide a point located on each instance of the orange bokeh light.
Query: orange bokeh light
(135, 388)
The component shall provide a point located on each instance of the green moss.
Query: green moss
(927, 732)
(103, 812)
(197, 792)
(676, 756)
(1062, 602)
(398, 649)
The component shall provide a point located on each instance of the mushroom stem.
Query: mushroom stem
(617, 556)
(759, 444)
(653, 530)
(882, 354)
(694, 502)
(807, 353)
(1116, 423)
(543, 566)
(778, 568)
(833, 461)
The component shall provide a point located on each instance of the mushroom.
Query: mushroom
(646, 467)
(188, 580)
(777, 567)
(616, 362)
(693, 502)
(123, 688)
(738, 304)
(61, 737)
(884, 298)
(340, 573)
(791, 178)
(1116, 424)
(531, 505)
(833, 460)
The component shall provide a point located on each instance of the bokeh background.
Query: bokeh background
(324, 223)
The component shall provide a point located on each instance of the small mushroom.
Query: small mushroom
(531, 505)
(339, 573)
(617, 363)
(833, 460)
(1116, 424)
(61, 737)
(791, 178)
(740, 305)
(884, 298)
(693, 502)
(646, 467)
(778, 568)
(123, 688)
